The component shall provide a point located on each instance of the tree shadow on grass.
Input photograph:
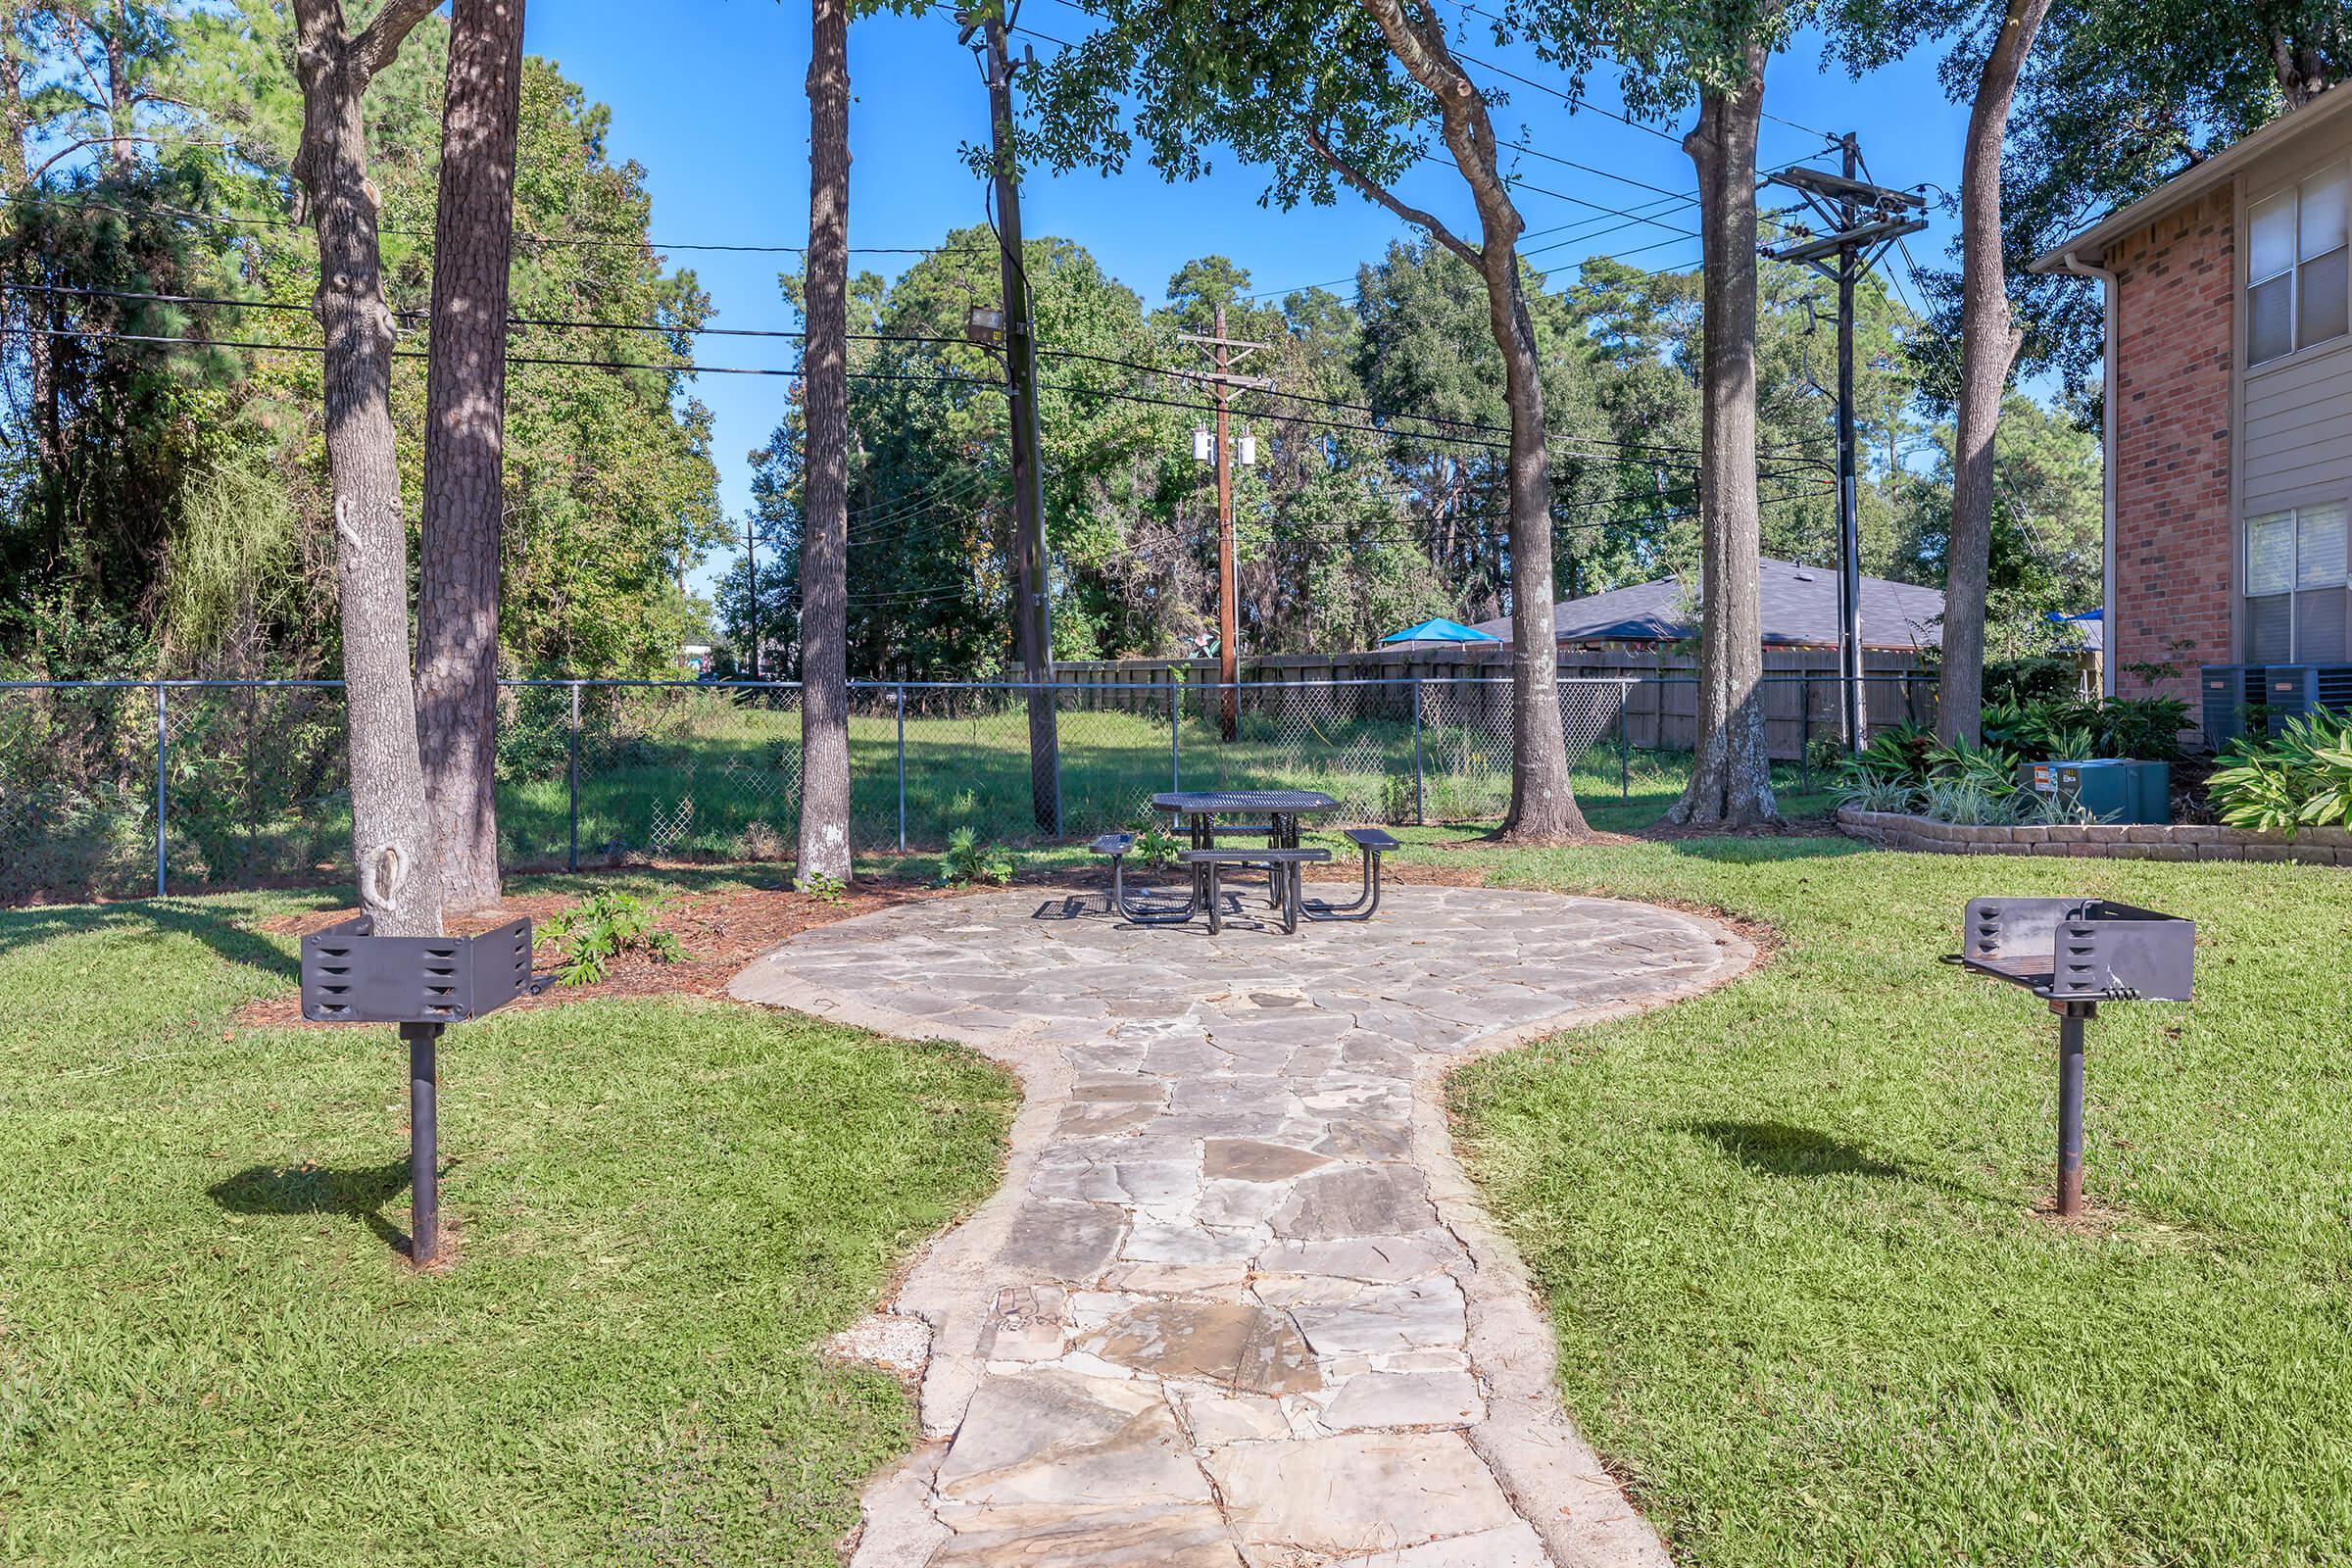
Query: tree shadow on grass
(226, 934)
(1777, 1149)
(290, 1191)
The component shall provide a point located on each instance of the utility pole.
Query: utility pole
(1866, 221)
(751, 567)
(1033, 613)
(1222, 382)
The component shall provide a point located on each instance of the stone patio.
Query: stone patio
(1236, 1303)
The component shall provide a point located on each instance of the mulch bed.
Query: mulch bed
(721, 932)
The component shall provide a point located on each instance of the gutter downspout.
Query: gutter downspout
(2107, 617)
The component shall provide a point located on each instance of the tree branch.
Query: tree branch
(1375, 191)
(375, 48)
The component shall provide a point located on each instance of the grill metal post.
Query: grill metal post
(162, 750)
(2071, 1016)
(1420, 788)
(900, 693)
(571, 772)
(1175, 729)
(424, 1170)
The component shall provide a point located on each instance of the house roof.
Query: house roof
(2091, 244)
(1799, 604)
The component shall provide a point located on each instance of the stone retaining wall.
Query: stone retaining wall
(2313, 846)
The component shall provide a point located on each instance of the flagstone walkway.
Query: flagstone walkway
(1236, 1303)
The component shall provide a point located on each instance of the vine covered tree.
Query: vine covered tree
(399, 880)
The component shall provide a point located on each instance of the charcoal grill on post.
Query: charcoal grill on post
(423, 984)
(2076, 953)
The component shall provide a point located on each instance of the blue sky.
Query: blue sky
(708, 95)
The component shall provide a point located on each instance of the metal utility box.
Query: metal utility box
(349, 977)
(2080, 950)
(2110, 788)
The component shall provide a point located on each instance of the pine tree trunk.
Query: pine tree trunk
(464, 413)
(1988, 344)
(824, 836)
(1730, 775)
(399, 883)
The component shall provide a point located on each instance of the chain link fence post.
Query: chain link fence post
(162, 750)
(1175, 729)
(572, 774)
(1420, 798)
(1625, 746)
(899, 693)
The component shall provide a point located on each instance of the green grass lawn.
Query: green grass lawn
(1788, 1230)
(1790, 1234)
(211, 1353)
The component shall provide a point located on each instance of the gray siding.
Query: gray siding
(2294, 415)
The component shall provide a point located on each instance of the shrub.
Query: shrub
(2035, 678)
(603, 927)
(2146, 728)
(1155, 845)
(2301, 777)
(968, 862)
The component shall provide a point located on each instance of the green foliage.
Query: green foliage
(2146, 728)
(2300, 777)
(2032, 678)
(825, 889)
(969, 863)
(187, 486)
(1155, 845)
(601, 928)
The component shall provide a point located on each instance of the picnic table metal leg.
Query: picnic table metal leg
(1216, 921)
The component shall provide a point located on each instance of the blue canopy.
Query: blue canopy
(1440, 630)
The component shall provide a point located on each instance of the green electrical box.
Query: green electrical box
(2110, 788)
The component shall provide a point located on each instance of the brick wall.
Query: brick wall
(2175, 310)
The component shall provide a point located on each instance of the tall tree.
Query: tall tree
(824, 828)
(399, 882)
(1730, 775)
(1988, 343)
(465, 444)
(1330, 93)
(1715, 53)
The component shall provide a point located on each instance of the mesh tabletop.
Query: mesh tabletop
(1204, 802)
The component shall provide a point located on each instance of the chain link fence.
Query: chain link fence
(111, 788)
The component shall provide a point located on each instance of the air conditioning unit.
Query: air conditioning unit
(2290, 691)
(2226, 692)
(2333, 683)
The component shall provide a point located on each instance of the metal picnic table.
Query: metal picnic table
(1200, 810)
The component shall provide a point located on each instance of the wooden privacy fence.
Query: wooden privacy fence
(1661, 702)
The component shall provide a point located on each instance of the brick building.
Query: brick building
(2229, 382)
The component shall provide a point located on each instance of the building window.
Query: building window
(2298, 283)
(2295, 586)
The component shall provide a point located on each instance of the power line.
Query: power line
(562, 322)
(521, 236)
(683, 367)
